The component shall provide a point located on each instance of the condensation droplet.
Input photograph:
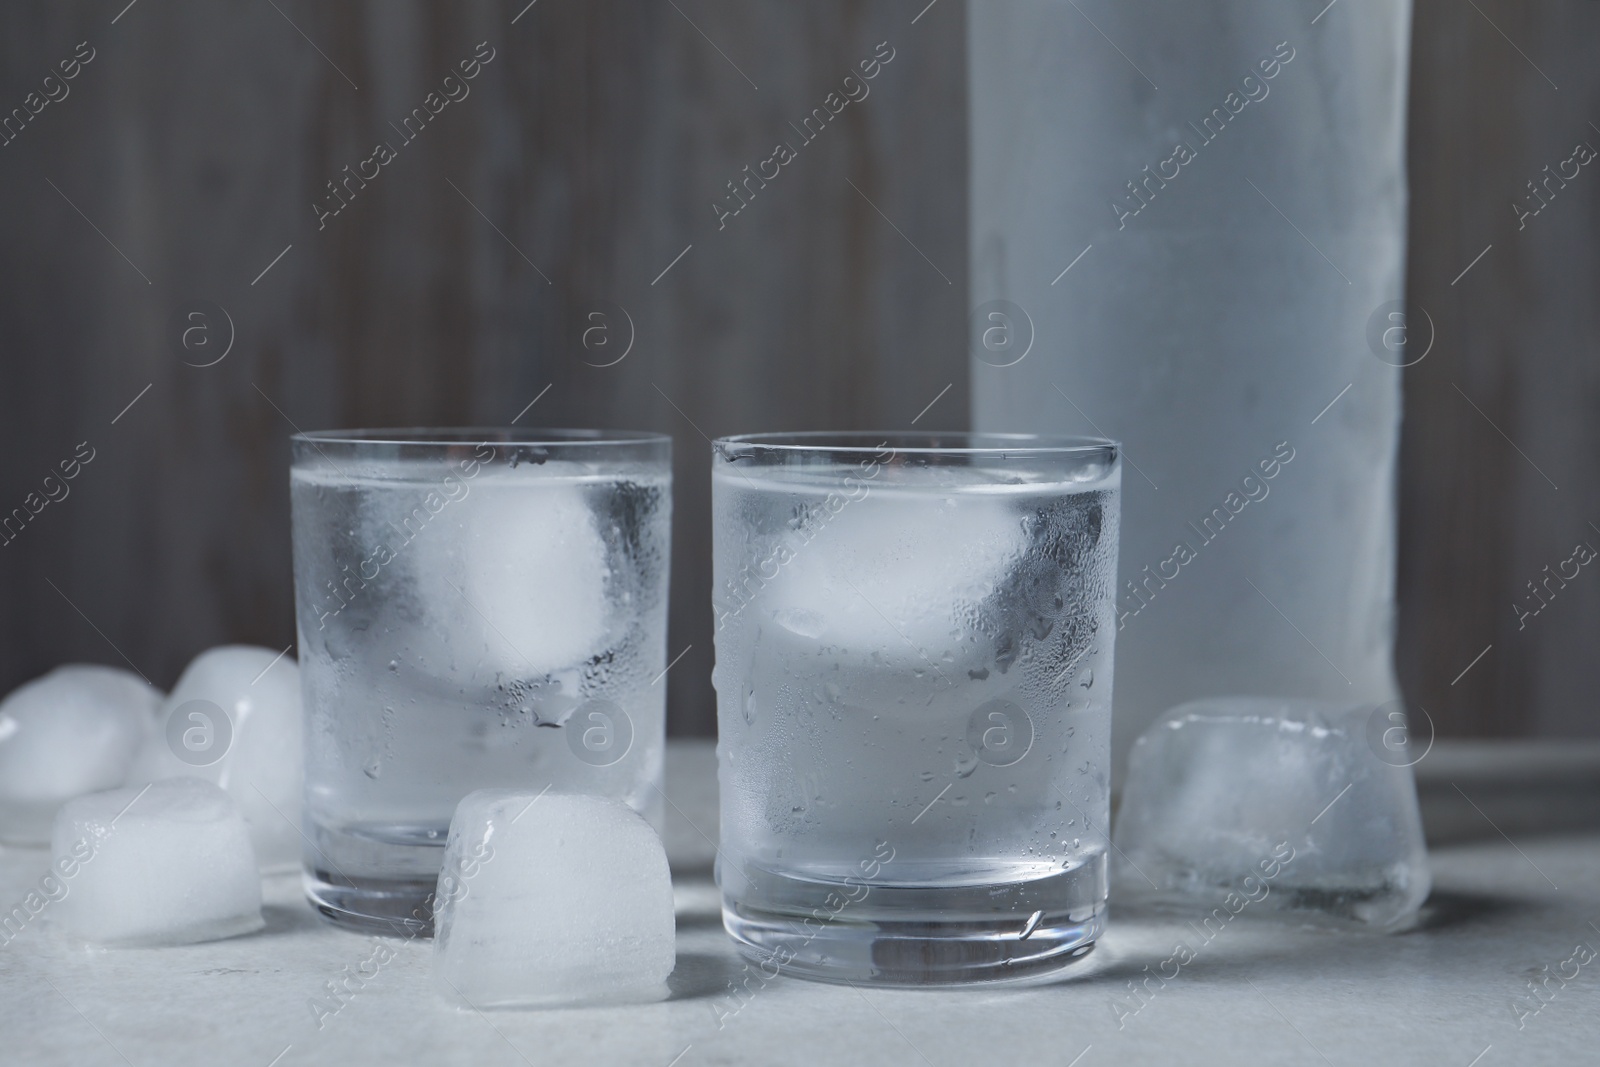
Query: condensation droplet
(374, 768)
(1088, 678)
(966, 764)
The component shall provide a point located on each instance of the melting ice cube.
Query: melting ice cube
(1286, 804)
(235, 719)
(168, 863)
(73, 731)
(899, 569)
(528, 575)
(551, 899)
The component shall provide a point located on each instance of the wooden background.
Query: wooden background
(1491, 494)
(456, 285)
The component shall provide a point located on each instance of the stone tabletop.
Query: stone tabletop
(1505, 912)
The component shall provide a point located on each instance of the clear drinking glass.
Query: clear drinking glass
(476, 608)
(913, 672)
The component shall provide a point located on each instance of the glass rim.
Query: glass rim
(423, 436)
(944, 443)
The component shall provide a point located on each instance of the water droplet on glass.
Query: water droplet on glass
(749, 707)
(1088, 678)
(966, 764)
(374, 768)
(926, 776)
(1031, 925)
(394, 665)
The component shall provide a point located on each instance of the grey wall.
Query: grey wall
(594, 144)
(456, 285)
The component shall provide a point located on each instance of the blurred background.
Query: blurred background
(196, 164)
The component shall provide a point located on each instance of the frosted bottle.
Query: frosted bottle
(1188, 234)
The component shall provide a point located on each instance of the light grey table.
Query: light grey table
(1504, 911)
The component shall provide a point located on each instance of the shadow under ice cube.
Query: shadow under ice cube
(1271, 805)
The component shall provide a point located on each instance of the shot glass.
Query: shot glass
(475, 608)
(913, 672)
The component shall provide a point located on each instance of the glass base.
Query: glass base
(897, 935)
(391, 907)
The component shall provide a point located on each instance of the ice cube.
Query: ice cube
(75, 730)
(551, 899)
(168, 863)
(898, 569)
(1275, 805)
(531, 573)
(234, 719)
